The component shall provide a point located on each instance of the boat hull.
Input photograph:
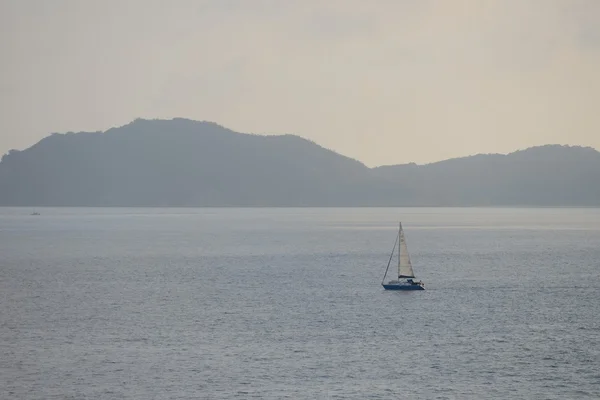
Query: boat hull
(402, 287)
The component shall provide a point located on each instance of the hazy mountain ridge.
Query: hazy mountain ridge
(181, 162)
(544, 175)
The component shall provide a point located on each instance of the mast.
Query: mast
(399, 250)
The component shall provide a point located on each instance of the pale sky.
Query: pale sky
(385, 82)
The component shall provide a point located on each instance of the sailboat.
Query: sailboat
(406, 276)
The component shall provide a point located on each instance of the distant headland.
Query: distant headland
(181, 162)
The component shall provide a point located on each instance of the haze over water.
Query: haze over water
(287, 303)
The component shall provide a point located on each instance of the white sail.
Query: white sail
(404, 266)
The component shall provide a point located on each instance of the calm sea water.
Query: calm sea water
(287, 303)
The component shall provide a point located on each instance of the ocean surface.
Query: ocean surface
(214, 303)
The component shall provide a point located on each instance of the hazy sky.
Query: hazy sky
(385, 82)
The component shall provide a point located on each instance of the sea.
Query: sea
(287, 303)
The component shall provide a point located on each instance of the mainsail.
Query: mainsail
(404, 266)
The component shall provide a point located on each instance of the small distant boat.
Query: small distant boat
(406, 276)
(35, 213)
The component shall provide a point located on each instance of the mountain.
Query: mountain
(550, 175)
(181, 162)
